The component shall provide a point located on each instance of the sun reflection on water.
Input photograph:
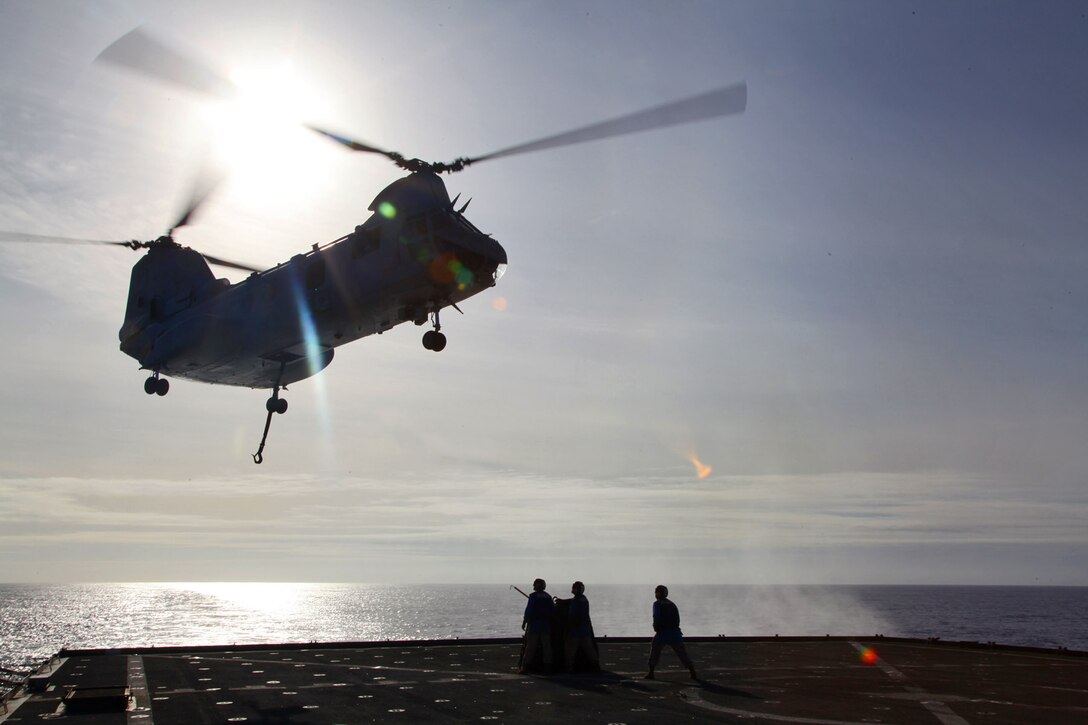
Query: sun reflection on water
(262, 598)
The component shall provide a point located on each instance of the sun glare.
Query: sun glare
(259, 135)
(263, 597)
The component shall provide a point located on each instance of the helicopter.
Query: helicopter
(416, 255)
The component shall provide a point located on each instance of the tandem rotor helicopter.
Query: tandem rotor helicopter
(416, 255)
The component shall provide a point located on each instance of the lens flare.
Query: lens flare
(447, 269)
(387, 210)
(315, 354)
(465, 277)
(443, 269)
(499, 304)
(701, 469)
(310, 342)
(868, 656)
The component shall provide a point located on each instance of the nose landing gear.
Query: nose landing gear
(434, 340)
(155, 385)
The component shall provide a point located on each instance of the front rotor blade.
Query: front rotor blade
(348, 142)
(722, 102)
(397, 158)
(141, 52)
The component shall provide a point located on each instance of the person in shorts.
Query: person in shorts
(667, 632)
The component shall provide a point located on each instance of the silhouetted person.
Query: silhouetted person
(579, 628)
(537, 624)
(667, 632)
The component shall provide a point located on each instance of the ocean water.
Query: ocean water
(36, 621)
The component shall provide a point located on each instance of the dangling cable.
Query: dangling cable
(257, 457)
(272, 407)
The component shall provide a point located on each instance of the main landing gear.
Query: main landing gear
(433, 339)
(276, 404)
(156, 385)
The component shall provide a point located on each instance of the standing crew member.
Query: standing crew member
(537, 624)
(667, 632)
(579, 628)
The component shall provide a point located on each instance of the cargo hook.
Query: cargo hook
(275, 404)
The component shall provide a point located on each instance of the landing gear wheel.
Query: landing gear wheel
(434, 340)
(281, 406)
(156, 386)
(276, 405)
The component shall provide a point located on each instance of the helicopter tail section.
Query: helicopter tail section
(168, 280)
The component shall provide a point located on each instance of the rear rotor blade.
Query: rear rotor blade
(6, 236)
(722, 102)
(227, 263)
(141, 52)
(206, 182)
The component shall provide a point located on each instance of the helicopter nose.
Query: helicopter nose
(495, 253)
(480, 256)
(473, 262)
(496, 259)
(489, 255)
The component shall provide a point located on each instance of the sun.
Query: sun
(259, 136)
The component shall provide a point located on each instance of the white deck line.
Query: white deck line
(139, 711)
(940, 710)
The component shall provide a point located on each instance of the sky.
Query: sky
(862, 303)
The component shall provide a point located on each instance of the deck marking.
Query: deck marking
(938, 709)
(349, 666)
(140, 711)
(692, 696)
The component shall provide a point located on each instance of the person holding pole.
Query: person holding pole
(537, 625)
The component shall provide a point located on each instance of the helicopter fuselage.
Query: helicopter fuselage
(413, 257)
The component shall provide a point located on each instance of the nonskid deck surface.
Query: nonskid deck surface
(785, 680)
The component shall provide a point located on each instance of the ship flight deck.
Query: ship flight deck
(825, 680)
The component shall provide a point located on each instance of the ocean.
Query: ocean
(37, 620)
